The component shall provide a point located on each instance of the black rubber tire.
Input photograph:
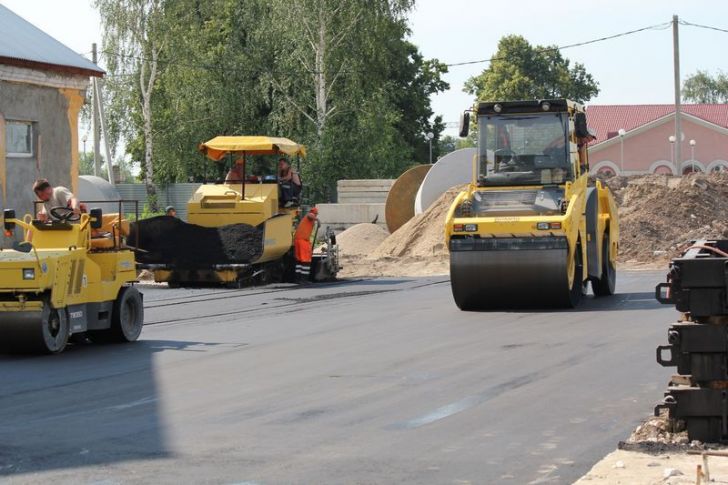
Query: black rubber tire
(606, 285)
(127, 319)
(577, 288)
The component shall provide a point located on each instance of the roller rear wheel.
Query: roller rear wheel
(577, 283)
(127, 319)
(606, 285)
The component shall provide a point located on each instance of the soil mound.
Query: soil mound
(361, 239)
(422, 236)
(168, 240)
(660, 216)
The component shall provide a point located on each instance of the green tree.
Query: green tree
(85, 163)
(449, 143)
(522, 71)
(131, 46)
(701, 87)
(360, 91)
(340, 77)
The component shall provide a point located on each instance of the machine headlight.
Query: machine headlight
(545, 226)
(545, 106)
(28, 273)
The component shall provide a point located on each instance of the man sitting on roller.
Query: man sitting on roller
(55, 197)
(289, 184)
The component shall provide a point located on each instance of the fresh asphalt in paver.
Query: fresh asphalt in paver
(368, 381)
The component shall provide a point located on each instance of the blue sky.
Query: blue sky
(630, 70)
(636, 69)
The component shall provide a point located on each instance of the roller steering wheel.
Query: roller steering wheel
(65, 214)
(505, 152)
(508, 158)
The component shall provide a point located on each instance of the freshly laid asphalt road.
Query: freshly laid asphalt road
(374, 381)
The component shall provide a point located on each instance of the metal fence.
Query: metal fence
(175, 195)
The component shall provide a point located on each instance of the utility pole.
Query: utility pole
(95, 116)
(676, 66)
(102, 119)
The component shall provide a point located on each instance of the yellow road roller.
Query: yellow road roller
(71, 276)
(531, 229)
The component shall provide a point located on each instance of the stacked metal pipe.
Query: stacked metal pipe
(697, 284)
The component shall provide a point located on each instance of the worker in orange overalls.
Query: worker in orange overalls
(302, 246)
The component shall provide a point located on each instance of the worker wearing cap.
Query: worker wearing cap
(302, 246)
(170, 211)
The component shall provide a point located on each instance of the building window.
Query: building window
(19, 138)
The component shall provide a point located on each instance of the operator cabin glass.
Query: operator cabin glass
(523, 149)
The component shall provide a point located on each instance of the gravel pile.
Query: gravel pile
(168, 240)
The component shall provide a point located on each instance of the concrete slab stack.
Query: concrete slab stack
(359, 201)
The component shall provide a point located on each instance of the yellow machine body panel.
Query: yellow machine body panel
(223, 204)
(538, 242)
(61, 262)
(277, 237)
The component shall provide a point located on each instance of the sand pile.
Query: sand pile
(659, 216)
(424, 234)
(415, 249)
(361, 239)
(168, 240)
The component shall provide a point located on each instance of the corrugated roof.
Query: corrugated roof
(609, 119)
(23, 44)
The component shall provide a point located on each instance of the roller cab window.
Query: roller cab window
(523, 149)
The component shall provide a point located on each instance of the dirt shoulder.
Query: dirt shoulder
(641, 468)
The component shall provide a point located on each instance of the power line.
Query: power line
(683, 22)
(661, 26)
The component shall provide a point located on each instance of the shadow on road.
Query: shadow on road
(643, 300)
(615, 303)
(93, 404)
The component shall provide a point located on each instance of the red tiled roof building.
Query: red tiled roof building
(645, 146)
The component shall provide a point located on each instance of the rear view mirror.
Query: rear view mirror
(97, 218)
(580, 128)
(7, 215)
(464, 124)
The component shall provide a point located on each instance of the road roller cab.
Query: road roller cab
(531, 229)
(70, 277)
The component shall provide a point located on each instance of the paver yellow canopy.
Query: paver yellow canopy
(217, 148)
(71, 276)
(531, 229)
